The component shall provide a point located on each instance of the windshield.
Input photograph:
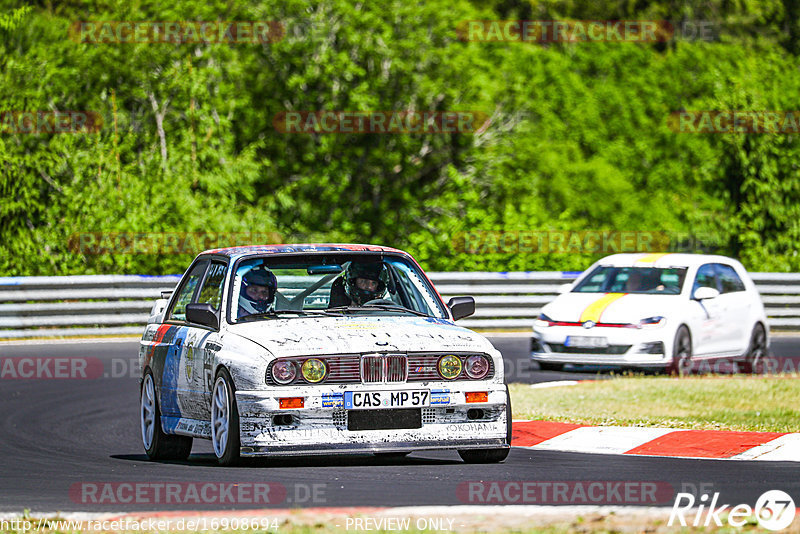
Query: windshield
(648, 280)
(268, 287)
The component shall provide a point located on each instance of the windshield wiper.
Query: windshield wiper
(384, 307)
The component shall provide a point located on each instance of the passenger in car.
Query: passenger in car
(641, 280)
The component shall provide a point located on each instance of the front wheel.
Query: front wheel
(491, 456)
(157, 444)
(681, 353)
(757, 352)
(483, 456)
(224, 420)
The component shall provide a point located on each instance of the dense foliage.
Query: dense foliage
(578, 139)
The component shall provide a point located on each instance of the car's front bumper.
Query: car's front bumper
(626, 347)
(321, 426)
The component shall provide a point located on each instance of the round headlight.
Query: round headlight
(476, 366)
(314, 370)
(450, 366)
(284, 371)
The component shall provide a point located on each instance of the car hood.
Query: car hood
(628, 308)
(358, 334)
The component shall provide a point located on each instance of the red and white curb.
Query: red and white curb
(646, 441)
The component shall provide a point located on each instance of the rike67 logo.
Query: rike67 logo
(774, 510)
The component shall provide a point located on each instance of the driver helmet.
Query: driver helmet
(257, 293)
(364, 282)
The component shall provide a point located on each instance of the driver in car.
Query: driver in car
(361, 283)
(257, 294)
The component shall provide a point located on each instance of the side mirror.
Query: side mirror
(203, 314)
(461, 307)
(704, 293)
(563, 288)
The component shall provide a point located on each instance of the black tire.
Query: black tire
(548, 366)
(230, 454)
(163, 446)
(491, 456)
(757, 356)
(509, 413)
(681, 353)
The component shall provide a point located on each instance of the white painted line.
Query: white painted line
(602, 440)
(514, 334)
(554, 384)
(783, 449)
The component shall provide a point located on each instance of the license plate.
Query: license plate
(373, 400)
(586, 342)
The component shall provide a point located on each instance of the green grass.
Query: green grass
(764, 404)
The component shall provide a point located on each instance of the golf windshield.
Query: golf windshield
(647, 280)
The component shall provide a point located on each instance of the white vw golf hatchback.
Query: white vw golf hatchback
(654, 311)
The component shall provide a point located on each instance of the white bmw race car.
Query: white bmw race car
(317, 349)
(654, 311)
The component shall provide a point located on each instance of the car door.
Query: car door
(174, 385)
(205, 342)
(736, 310)
(709, 333)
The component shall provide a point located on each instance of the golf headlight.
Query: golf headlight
(543, 321)
(653, 322)
(449, 366)
(476, 366)
(314, 370)
(284, 371)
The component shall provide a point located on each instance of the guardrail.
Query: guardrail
(52, 306)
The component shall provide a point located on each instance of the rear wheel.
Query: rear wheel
(224, 420)
(491, 456)
(757, 352)
(681, 353)
(157, 444)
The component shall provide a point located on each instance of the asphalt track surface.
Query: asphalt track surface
(60, 435)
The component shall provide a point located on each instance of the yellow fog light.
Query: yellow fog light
(314, 370)
(450, 366)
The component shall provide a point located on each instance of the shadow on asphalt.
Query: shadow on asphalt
(349, 460)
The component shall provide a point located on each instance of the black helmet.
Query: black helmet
(361, 292)
(263, 277)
